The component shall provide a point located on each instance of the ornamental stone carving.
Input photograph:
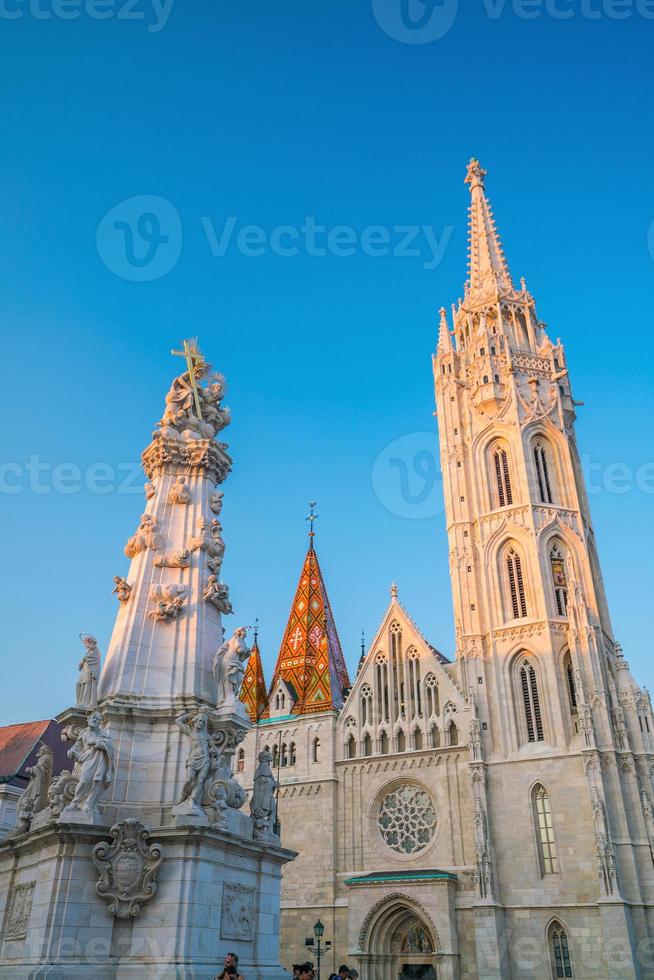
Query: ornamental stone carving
(179, 492)
(238, 912)
(122, 589)
(147, 536)
(193, 411)
(407, 819)
(263, 804)
(216, 501)
(128, 867)
(93, 753)
(198, 763)
(173, 559)
(34, 797)
(209, 789)
(86, 691)
(229, 667)
(168, 602)
(19, 910)
(209, 539)
(217, 594)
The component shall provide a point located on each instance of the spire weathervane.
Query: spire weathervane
(196, 365)
(312, 518)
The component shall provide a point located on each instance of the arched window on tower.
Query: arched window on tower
(559, 580)
(351, 747)
(275, 755)
(383, 743)
(417, 739)
(543, 473)
(315, 750)
(560, 952)
(292, 754)
(454, 734)
(366, 705)
(518, 607)
(569, 678)
(528, 683)
(367, 745)
(502, 475)
(240, 760)
(435, 737)
(548, 858)
(401, 741)
(284, 755)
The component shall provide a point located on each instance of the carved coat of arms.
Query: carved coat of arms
(127, 867)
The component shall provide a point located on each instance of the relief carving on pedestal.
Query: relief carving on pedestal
(19, 910)
(238, 912)
(168, 602)
(127, 867)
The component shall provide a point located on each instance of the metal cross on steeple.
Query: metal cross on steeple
(194, 360)
(312, 517)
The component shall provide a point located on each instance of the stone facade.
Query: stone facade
(491, 817)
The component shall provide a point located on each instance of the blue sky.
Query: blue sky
(266, 115)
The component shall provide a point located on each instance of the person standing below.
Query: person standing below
(307, 972)
(230, 971)
(343, 973)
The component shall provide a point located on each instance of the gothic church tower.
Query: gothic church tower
(559, 712)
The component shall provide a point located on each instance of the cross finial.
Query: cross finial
(394, 591)
(256, 630)
(312, 518)
(196, 366)
(476, 174)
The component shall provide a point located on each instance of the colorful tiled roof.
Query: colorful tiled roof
(310, 658)
(253, 692)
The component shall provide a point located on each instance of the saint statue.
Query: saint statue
(34, 797)
(93, 752)
(262, 804)
(199, 761)
(229, 666)
(86, 690)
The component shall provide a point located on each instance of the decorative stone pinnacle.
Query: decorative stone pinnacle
(394, 592)
(476, 174)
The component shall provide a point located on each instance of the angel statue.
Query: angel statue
(93, 752)
(229, 666)
(86, 690)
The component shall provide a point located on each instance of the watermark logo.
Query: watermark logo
(153, 13)
(140, 239)
(406, 477)
(415, 21)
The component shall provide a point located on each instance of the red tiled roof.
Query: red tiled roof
(16, 743)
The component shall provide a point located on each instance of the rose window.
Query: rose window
(407, 819)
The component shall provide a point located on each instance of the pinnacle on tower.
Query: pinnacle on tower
(488, 270)
(253, 693)
(310, 658)
(444, 339)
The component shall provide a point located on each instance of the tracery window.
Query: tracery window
(417, 739)
(367, 745)
(516, 584)
(559, 580)
(543, 474)
(383, 743)
(431, 695)
(240, 760)
(292, 754)
(570, 682)
(548, 857)
(401, 741)
(407, 819)
(531, 702)
(500, 464)
(366, 704)
(435, 737)
(454, 734)
(560, 952)
(351, 747)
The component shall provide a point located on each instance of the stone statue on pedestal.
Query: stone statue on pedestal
(34, 797)
(229, 667)
(262, 804)
(198, 763)
(86, 691)
(93, 752)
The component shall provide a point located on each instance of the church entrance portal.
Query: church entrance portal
(400, 946)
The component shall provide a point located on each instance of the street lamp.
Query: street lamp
(316, 947)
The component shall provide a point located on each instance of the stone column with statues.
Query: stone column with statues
(152, 739)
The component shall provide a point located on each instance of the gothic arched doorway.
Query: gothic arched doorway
(399, 943)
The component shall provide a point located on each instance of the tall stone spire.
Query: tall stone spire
(488, 271)
(253, 693)
(310, 658)
(167, 633)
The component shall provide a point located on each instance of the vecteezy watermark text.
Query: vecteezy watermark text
(318, 240)
(40, 476)
(153, 14)
(426, 21)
